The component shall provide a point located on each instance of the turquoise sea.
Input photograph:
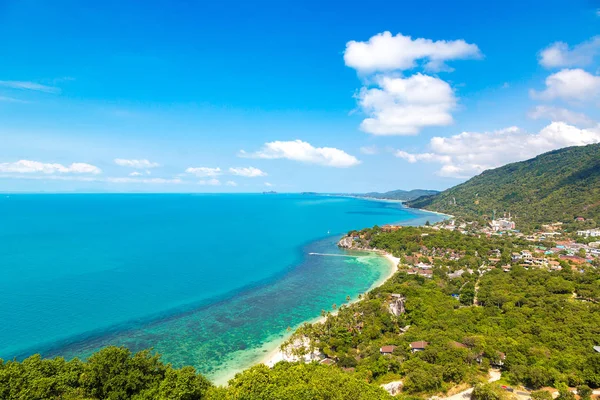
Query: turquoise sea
(212, 281)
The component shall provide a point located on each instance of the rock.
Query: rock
(393, 388)
(346, 242)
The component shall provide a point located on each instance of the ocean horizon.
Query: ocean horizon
(209, 280)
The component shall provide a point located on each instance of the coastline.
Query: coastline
(276, 355)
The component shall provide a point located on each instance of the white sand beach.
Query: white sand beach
(277, 354)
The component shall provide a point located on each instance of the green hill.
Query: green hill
(403, 195)
(556, 186)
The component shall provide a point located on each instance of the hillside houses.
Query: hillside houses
(589, 233)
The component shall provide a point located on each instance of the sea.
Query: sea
(215, 281)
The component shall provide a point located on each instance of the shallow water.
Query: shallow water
(206, 280)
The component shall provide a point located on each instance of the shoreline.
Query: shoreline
(276, 355)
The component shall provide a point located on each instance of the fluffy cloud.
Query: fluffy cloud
(384, 52)
(470, 153)
(203, 171)
(570, 84)
(559, 54)
(298, 150)
(403, 106)
(137, 164)
(267, 184)
(28, 166)
(210, 182)
(230, 183)
(248, 172)
(399, 105)
(561, 114)
(29, 86)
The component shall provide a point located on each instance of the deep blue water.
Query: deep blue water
(206, 280)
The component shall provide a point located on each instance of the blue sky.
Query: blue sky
(290, 96)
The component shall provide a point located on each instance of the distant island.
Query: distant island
(401, 195)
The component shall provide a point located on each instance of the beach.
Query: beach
(276, 354)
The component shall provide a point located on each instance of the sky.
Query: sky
(291, 96)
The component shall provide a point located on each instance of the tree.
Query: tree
(584, 392)
(487, 391)
(541, 395)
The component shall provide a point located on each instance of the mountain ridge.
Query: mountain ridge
(559, 185)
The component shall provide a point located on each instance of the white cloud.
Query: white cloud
(561, 114)
(470, 153)
(298, 150)
(398, 105)
(369, 150)
(29, 86)
(28, 166)
(230, 183)
(201, 172)
(384, 52)
(559, 54)
(248, 172)
(267, 184)
(210, 182)
(570, 84)
(403, 106)
(137, 164)
(135, 173)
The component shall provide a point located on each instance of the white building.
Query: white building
(502, 224)
(589, 233)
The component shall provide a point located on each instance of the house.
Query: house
(597, 349)
(502, 224)
(425, 273)
(390, 228)
(387, 350)
(418, 346)
(589, 233)
(423, 266)
(580, 219)
(499, 360)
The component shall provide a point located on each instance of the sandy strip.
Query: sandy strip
(277, 354)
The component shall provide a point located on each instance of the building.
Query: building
(418, 346)
(502, 224)
(387, 350)
(390, 228)
(589, 233)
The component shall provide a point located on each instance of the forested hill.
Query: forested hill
(403, 195)
(556, 186)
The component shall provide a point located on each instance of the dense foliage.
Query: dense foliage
(116, 374)
(556, 186)
(527, 321)
(112, 373)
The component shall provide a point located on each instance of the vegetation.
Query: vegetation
(557, 186)
(526, 321)
(115, 374)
